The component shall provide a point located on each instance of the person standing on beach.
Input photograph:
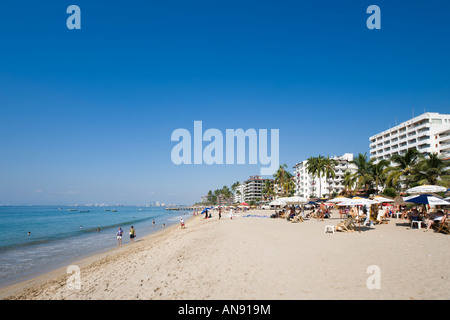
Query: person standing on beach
(119, 236)
(182, 223)
(321, 211)
(132, 234)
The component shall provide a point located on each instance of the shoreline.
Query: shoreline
(250, 258)
(23, 284)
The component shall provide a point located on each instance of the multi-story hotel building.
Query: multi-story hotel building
(443, 142)
(253, 188)
(428, 133)
(239, 194)
(308, 186)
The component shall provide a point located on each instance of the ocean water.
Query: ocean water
(59, 235)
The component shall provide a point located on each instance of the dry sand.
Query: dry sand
(259, 258)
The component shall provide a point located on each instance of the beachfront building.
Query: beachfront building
(307, 186)
(239, 194)
(443, 143)
(428, 133)
(253, 188)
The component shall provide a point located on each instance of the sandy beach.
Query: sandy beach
(259, 258)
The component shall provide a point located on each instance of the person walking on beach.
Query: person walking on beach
(132, 234)
(321, 211)
(119, 236)
(182, 223)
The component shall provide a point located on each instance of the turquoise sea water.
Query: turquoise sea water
(59, 235)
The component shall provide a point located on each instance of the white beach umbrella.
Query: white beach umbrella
(277, 202)
(294, 200)
(381, 199)
(339, 199)
(357, 201)
(426, 189)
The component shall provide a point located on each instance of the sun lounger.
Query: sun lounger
(444, 227)
(297, 218)
(381, 220)
(346, 225)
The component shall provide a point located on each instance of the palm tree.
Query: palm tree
(362, 174)
(377, 171)
(311, 167)
(402, 171)
(289, 185)
(280, 176)
(226, 193)
(234, 186)
(267, 190)
(210, 197)
(329, 165)
(349, 181)
(432, 170)
(315, 167)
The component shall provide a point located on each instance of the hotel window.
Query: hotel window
(436, 121)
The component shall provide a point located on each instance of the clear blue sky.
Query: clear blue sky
(86, 115)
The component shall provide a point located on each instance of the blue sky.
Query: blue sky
(86, 115)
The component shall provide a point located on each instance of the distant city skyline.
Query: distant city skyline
(86, 115)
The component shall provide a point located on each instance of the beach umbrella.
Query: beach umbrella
(426, 189)
(381, 199)
(339, 199)
(244, 204)
(204, 210)
(277, 202)
(294, 200)
(357, 201)
(425, 198)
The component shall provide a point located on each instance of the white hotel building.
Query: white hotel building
(428, 133)
(308, 187)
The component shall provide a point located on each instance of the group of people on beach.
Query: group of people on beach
(132, 233)
(368, 215)
(119, 235)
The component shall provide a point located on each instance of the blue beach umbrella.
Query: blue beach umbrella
(204, 210)
(426, 198)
